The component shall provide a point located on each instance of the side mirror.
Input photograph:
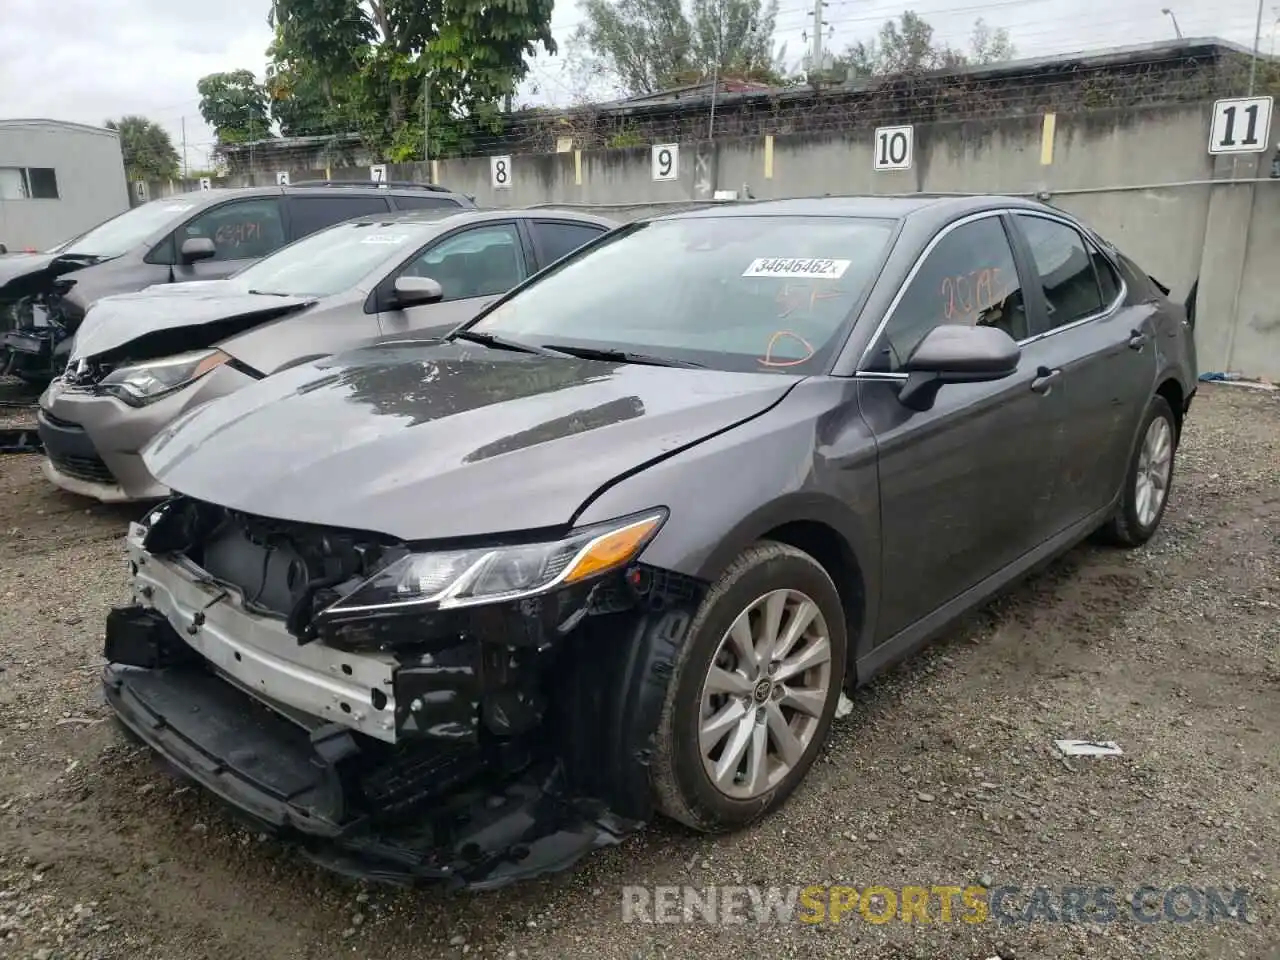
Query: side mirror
(197, 248)
(3, 249)
(416, 291)
(953, 353)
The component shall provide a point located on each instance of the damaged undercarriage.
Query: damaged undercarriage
(475, 744)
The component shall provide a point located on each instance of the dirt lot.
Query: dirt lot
(943, 774)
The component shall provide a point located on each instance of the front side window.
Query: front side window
(1064, 270)
(332, 260)
(969, 277)
(240, 230)
(480, 262)
(761, 294)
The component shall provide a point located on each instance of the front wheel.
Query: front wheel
(1146, 486)
(753, 691)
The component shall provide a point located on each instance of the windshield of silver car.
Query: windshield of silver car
(332, 260)
(770, 294)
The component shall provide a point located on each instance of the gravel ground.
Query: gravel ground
(944, 772)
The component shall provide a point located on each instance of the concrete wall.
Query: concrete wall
(1141, 176)
(91, 181)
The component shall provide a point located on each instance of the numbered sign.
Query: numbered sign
(206, 183)
(665, 159)
(893, 148)
(1241, 125)
(500, 172)
(140, 189)
(282, 178)
(378, 173)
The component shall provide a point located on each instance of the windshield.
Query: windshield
(734, 293)
(333, 260)
(122, 233)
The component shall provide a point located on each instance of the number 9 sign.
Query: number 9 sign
(665, 159)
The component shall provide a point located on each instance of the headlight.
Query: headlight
(142, 383)
(461, 578)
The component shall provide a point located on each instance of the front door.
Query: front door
(242, 231)
(474, 267)
(1090, 329)
(959, 483)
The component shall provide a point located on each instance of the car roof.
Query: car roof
(932, 206)
(331, 188)
(449, 217)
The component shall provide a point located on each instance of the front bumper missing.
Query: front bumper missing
(311, 790)
(259, 654)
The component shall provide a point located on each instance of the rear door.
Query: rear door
(242, 232)
(959, 483)
(1101, 340)
(309, 213)
(554, 239)
(474, 266)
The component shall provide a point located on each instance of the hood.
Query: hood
(22, 274)
(447, 440)
(121, 321)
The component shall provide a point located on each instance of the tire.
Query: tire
(1131, 526)
(682, 787)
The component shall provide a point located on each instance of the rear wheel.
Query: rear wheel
(753, 691)
(1146, 489)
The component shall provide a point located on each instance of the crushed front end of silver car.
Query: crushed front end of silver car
(475, 732)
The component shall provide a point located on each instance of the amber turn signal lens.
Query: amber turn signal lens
(612, 549)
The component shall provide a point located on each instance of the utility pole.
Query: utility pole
(426, 121)
(184, 148)
(818, 24)
(1257, 39)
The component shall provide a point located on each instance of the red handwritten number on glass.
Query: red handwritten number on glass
(966, 296)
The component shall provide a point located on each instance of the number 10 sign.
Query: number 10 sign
(893, 147)
(1241, 125)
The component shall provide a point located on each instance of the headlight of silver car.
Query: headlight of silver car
(460, 578)
(143, 383)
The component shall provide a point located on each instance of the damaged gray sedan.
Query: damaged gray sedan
(142, 359)
(467, 610)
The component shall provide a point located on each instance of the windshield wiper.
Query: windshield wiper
(625, 356)
(269, 293)
(500, 343)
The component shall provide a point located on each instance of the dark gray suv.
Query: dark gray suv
(204, 235)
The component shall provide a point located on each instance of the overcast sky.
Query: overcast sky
(88, 60)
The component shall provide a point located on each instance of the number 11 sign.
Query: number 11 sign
(1241, 125)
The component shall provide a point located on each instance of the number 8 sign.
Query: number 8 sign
(500, 172)
(665, 159)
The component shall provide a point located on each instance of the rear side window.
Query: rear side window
(1108, 279)
(555, 240)
(425, 202)
(1064, 269)
(240, 230)
(309, 214)
(969, 278)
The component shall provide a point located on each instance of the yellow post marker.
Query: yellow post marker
(1046, 139)
(435, 171)
(577, 168)
(328, 172)
(768, 157)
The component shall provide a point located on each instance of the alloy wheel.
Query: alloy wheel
(764, 694)
(1155, 465)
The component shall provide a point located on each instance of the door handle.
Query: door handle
(1138, 340)
(1045, 379)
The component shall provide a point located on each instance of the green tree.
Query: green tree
(148, 150)
(234, 104)
(907, 45)
(990, 46)
(651, 45)
(370, 61)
